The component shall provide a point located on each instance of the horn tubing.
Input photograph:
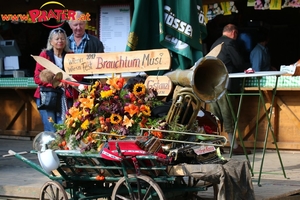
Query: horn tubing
(184, 95)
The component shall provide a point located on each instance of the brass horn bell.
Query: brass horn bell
(208, 78)
(206, 81)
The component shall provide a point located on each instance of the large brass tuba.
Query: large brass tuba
(205, 82)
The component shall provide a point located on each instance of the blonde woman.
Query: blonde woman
(57, 48)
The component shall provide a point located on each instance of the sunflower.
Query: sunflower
(139, 89)
(145, 110)
(115, 118)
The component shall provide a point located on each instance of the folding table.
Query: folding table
(261, 100)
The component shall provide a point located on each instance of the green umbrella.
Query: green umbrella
(177, 25)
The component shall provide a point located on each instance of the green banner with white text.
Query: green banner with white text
(173, 24)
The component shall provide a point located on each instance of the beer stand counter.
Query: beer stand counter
(19, 114)
(285, 117)
(270, 104)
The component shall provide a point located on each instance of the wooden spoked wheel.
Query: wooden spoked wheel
(137, 188)
(53, 190)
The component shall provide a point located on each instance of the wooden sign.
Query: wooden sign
(117, 62)
(162, 84)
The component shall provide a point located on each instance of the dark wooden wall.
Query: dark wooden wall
(19, 114)
(32, 37)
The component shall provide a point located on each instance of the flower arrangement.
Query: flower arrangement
(114, 107)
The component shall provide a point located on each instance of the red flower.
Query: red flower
(208, 129)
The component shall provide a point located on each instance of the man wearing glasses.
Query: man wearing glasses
(80, 41)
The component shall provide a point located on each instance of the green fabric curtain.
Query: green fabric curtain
(177, 25)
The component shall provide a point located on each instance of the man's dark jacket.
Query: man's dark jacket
(232, 59)
(93, 45)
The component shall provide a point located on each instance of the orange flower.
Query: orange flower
(146, 133)
(100, 178)
(131, 109)
(92, 93)
(50, 120)
(121, 82)
(74, 112)
(86, 102)
(116, 83)
(132, 97)
(69, 122)
(127, 122)
(157, 134)
(143, 122)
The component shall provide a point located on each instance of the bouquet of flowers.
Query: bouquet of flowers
(114, 107)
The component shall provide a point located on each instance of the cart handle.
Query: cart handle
(29, 162)
(12, 153)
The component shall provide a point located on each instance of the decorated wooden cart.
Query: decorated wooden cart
(119, 141)
(121, 170)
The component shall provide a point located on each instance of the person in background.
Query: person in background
(57, 48)
(80, 41)
(259, 56)
(234, 62)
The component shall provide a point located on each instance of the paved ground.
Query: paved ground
(19, 179)
(16, 177)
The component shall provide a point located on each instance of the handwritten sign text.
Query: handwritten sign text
(117, 62)
(162, 84)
